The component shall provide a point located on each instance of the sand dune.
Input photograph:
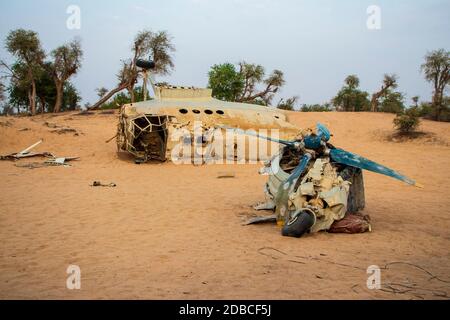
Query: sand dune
(174, 232)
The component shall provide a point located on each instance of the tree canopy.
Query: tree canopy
(26, 47)
(288, 104)
(66, 62)
(226, 82)
(350, 97)
(389, 82)
(436, 69)
(248, 84)
(157, 45)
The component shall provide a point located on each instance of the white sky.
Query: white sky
(316, 43)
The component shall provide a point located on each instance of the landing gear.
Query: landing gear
(300, 223)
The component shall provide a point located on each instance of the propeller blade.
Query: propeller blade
(250, 133)
(354, 160)
(297, 171)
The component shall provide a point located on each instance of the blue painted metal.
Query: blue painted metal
(323, 132)
(314, 141)
(354, 160)
(298, 171)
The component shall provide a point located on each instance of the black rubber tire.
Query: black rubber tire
(299, 225)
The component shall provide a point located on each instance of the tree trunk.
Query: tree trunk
(59, 96)
(374, 103)
(437, 102)
(33, 98)
(42, 99)
(107, 96)
(131, 92)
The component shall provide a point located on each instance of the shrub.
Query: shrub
(407, 121)
(316, 108)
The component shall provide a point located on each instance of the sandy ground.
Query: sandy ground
(174, 232)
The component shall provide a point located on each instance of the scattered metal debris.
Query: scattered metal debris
(99, 184)
(111, 139)
(31, 165)
(261, 219)
(51, 161)
(26, 153)
(54, 162)
(24, 129)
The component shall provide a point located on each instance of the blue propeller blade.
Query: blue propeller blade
(338, 155)
(353, 160)
(298, 170)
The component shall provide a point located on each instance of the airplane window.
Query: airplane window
(208, 111)
(183, 111)
(196, 111)
(220, 112)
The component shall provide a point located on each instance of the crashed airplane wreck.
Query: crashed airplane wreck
(312, 186)
(150, 130)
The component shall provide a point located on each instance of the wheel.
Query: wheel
(298, 225)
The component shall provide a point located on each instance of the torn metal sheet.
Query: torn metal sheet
(259, 220)
(26, 153)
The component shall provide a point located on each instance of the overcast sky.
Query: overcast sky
(316, 43)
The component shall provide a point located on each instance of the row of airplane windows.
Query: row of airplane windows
(207, 111)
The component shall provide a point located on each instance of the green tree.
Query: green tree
(288, 104)
(71, 97)
(19, 87)
(45, 90)
(352, 81)
(101, 92)
(258, 88)
(248, 85)
(407, 121)
(350, 97)
(226, 83)
(66, 63)
(159, 46)
(25, 46)
(389, 82)
(437, 71)
(392, 102)
(316, 107)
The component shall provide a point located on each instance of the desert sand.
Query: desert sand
(175, 232)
